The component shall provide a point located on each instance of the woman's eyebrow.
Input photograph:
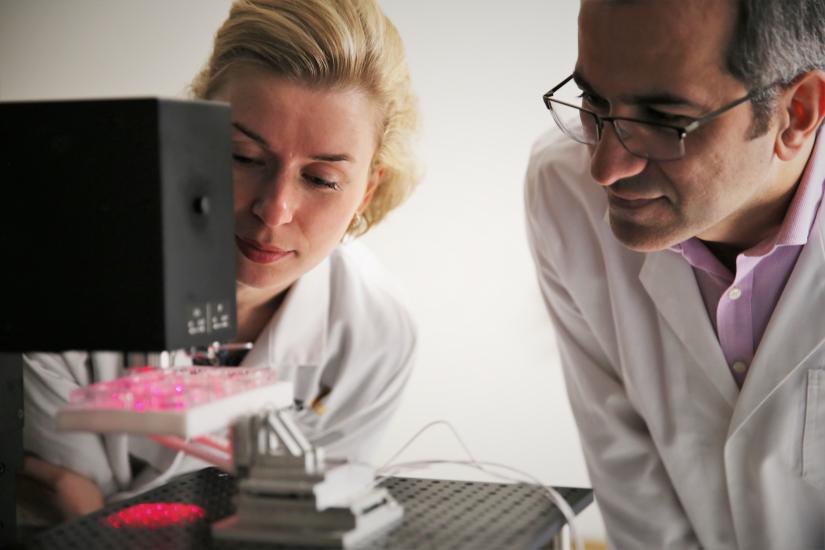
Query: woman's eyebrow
(340, 157)
(250, 134)
(323, 157)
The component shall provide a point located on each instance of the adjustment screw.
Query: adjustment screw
(202, 205)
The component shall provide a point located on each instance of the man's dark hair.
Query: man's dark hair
(774, 42)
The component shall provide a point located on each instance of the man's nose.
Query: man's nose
(276, 201)
(611, 162)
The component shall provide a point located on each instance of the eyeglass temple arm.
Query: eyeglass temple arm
(713, 114)
(559, 85)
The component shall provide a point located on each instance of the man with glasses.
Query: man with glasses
(676, 227)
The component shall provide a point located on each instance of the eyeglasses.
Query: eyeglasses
(642, 138)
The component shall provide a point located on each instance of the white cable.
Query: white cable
(421, 431)
(389, 469)
(550, 492)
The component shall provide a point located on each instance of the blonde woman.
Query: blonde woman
(322, 116)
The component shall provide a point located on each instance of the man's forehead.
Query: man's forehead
(671, 4)
(654, 47)
(686, 18)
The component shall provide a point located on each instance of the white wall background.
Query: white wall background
(487, 360)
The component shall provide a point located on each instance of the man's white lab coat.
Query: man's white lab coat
(341, 327)
(678, 456)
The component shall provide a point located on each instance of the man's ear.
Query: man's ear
(375, 178)
(803, 108)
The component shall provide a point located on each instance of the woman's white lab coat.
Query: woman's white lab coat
(679, 457)
(341, 326)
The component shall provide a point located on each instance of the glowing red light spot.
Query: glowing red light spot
(155, 515)
(142, 369)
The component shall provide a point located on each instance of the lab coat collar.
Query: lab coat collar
(297, 334)
(671, 284)
(795, 331)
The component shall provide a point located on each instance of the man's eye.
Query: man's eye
(590, 100)
(668, 118)
(321, 182)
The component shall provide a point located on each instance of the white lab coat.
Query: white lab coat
(341, 326)
(678, 456)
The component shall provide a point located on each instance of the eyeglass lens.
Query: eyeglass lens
(639, 138)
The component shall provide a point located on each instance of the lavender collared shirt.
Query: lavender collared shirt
(740, 304)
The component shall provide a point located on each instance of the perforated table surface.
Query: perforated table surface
(437, 514)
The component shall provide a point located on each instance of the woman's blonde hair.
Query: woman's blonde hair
(330, 43)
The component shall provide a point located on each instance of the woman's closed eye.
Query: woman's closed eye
(247, 160)
(321, 182)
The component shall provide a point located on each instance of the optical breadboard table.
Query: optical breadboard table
(437, 514)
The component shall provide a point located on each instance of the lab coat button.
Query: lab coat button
(734, 293)
(739, 367)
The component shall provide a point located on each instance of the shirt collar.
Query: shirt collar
(798, 221)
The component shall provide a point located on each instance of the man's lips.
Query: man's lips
(260, 253)
(631, 199)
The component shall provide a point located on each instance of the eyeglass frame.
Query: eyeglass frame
(682, 131)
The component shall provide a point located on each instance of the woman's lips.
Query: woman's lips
(259, 253)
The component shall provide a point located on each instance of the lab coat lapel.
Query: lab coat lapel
(795, 331)
(671, 284)
(297, 334)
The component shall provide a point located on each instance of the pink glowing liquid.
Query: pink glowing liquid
(151, 389)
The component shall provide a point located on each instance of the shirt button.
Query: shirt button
(740, 367)
(734, 293)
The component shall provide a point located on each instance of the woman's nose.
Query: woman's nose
(276, 202)
(611, 162)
